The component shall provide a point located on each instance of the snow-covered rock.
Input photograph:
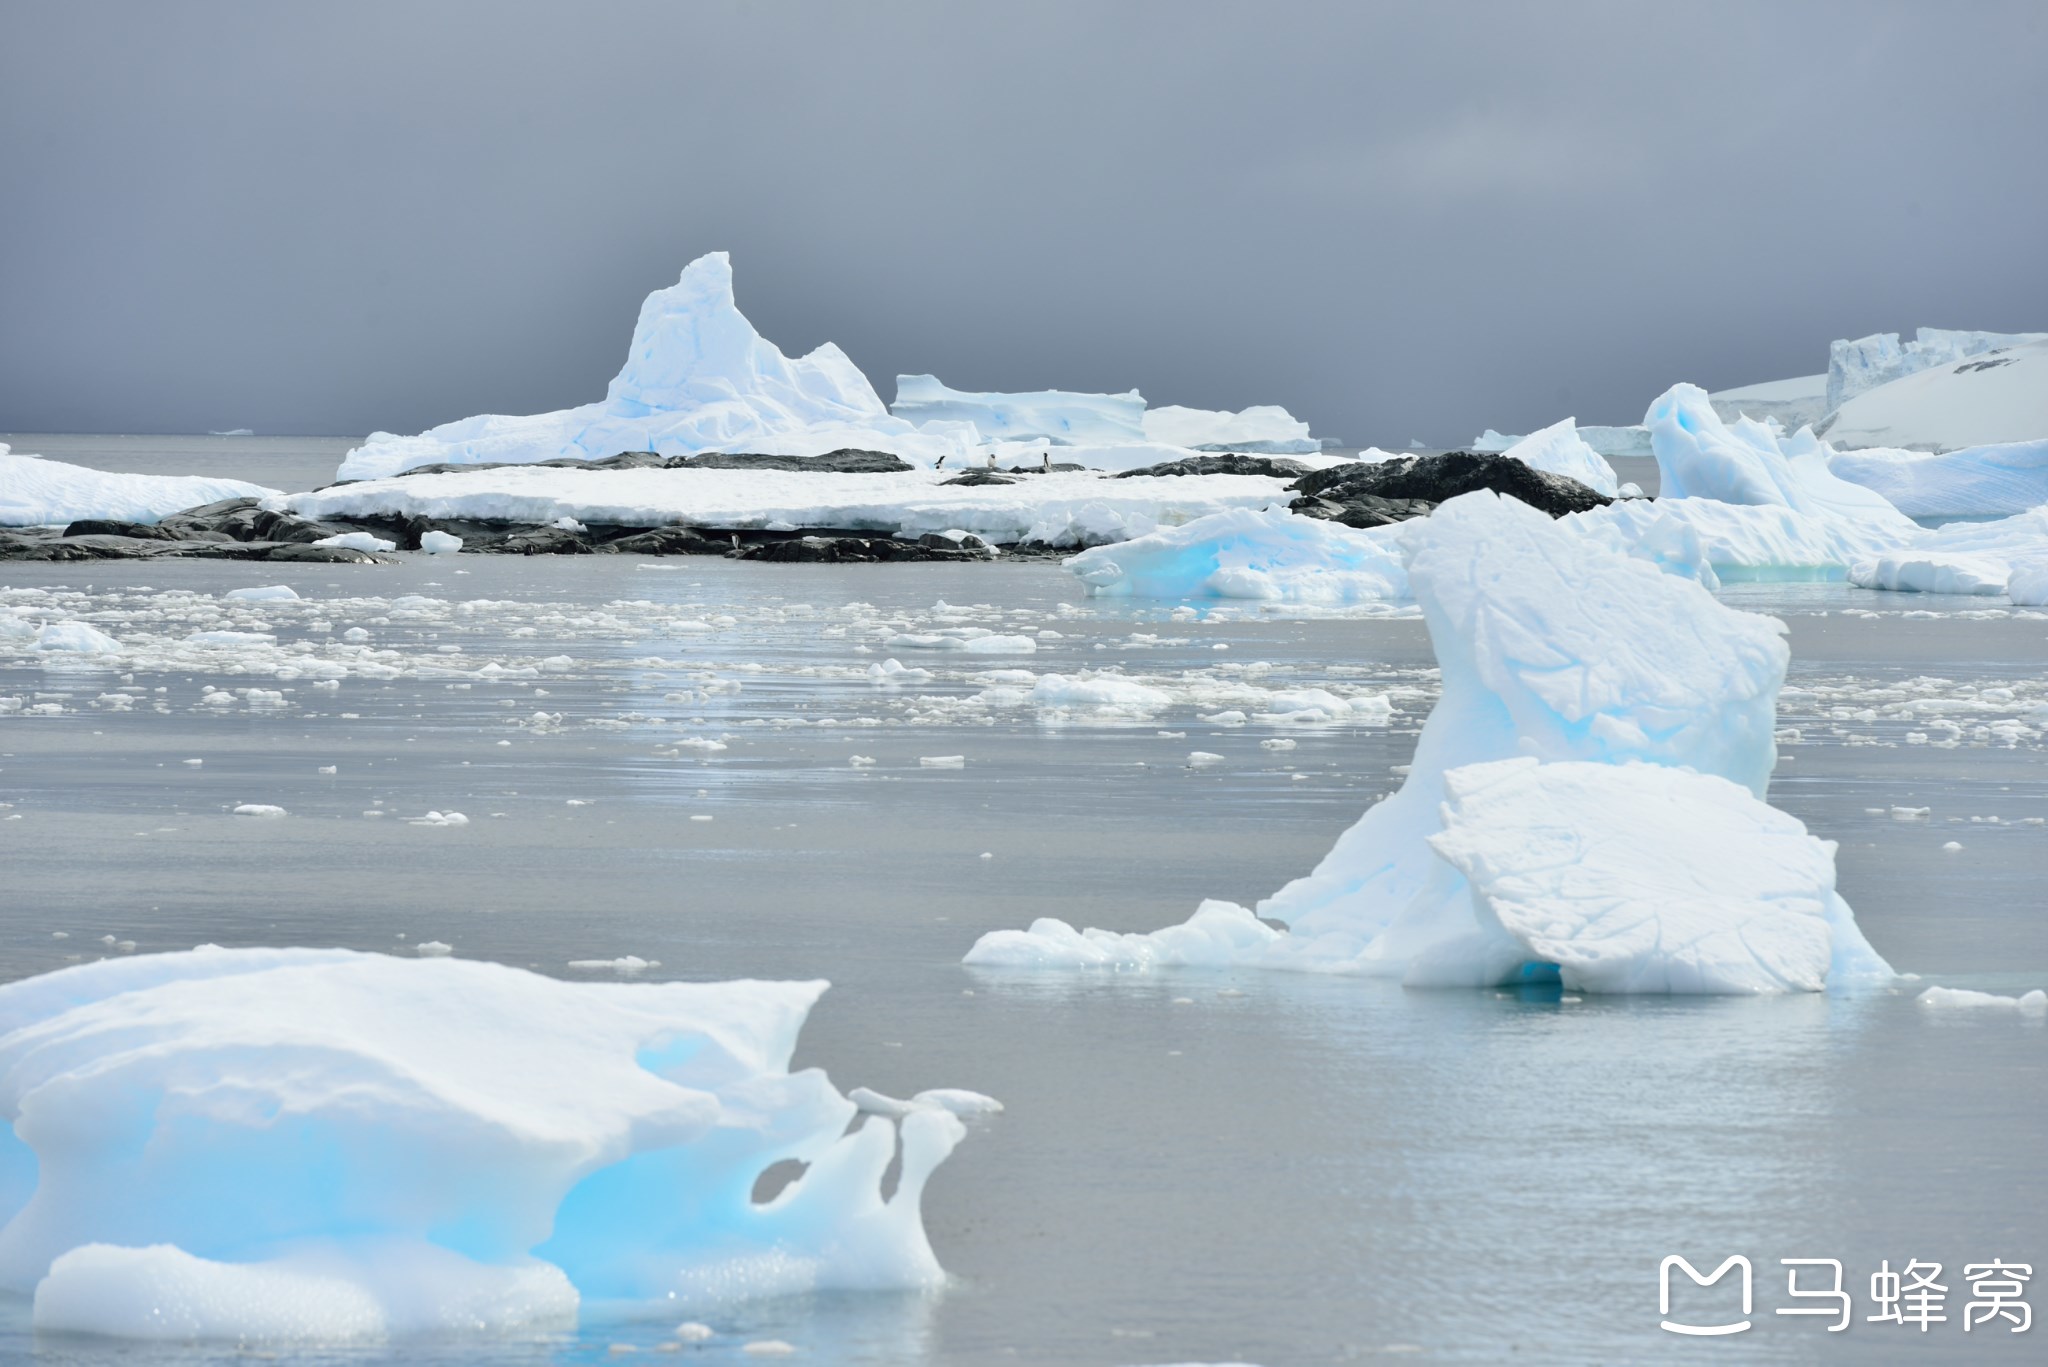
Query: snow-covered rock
(1795, 403)
(328, 1145)
(1264, 429)
(1060, 416)
(697, 378)
(1556, 651)
(1860, 364)
(1560, 450)
(1061, 509)
(1268, 554)
(2010, 477)
(1990, 397)
(51, 493)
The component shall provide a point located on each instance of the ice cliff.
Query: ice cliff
(327, 1145)
(1500, 858)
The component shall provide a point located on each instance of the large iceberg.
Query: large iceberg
(1058, 416)
(1986, 398)
(322, 1144)
(50, 493)
(1263, 429)
(1858, 365)
(2005, 478)
(697, 378)
(1558, 654)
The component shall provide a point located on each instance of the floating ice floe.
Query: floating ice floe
(75, 638)
(1559, 656)
(267, 593)
(507, 1149)
(1263, 554)
(49, 493)
(2034, 1003)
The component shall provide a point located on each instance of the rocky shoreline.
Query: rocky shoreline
(1357, 495)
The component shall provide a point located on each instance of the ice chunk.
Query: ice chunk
(1218, 935)
(1559, 450)
(697, 378)
(1992, 397)
(322, 1144)
(1264, 429)
(2034, 1003)
(1271, 555)
(263, 809)
(1055, 415)
(50, 493)
(1642, 877)
(2010, 477)
(1931, 571)
(76, 638)
(440, 543)
(357, 541)
(268, 593)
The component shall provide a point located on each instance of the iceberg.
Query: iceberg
(1559, 654)
(2009, 477)
(1605, 441)
(697, 378)
(1560, 450)
(1058, 416)
(35, 492)
(1264, 429)
(1267, 554)
(331, 1145)
(1858, 365)
(1988, 398)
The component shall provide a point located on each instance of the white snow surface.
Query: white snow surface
(1555, 650)
(1060, 416)
(1066, 509)
(1605, 441)
(2008, 477)
(1861, 364)
(697, 377)
(328, 1145)
(1795, 403)
(1990, 398)
(50, 493)
(1560, 450)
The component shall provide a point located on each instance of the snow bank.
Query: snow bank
(49, 493)
(1063, 509)
(2008, 477)
(1859, 365)
(1793, 404)
(697, 378)
(1992, 397)
(1056, 415)
(1558, 652)
(1272, 555)
(1265, 429)
(321, 1144)
(1560, 450)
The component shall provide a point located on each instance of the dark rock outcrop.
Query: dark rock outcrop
(1278, 467)
(42, 545)
(842, 550)
(1434, 479)
(1363, 511)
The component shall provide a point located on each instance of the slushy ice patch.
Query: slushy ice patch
(1559, 655)
(323, 1144)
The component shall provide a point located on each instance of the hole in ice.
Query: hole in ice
(776, 1178)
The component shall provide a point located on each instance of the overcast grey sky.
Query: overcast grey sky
(1396, 219)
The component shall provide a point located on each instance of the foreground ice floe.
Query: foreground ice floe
(50, 493)
(321, 1144)
(1559, 655)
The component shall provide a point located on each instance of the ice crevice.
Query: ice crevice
(323, 1145)
(1586, 799)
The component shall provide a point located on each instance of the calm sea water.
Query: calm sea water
(1315, 1171)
